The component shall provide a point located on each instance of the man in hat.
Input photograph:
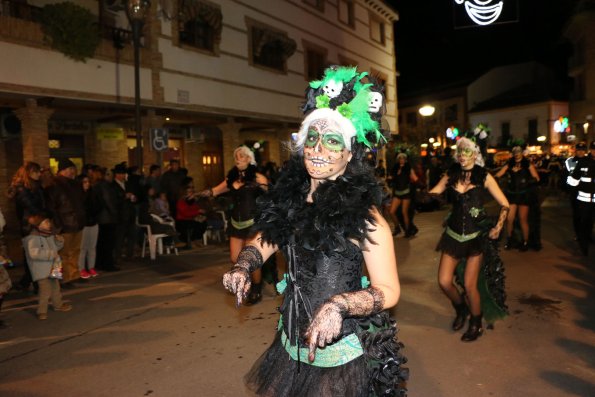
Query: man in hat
(65, 201)
(583, 178)
(580, 150)
(126, 199)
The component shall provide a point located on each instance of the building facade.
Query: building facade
(581, 67)
(213, 73)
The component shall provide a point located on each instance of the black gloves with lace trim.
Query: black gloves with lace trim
(237, 280)
(328, 320)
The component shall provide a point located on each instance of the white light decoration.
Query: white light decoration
(586, 127)
(431, 140)
(424, 145)
(427, 110)
(436, 144)
(482, 12)
(541, 138)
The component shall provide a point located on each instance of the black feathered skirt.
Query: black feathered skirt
(376, 372)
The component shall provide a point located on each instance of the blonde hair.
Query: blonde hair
(245, 150)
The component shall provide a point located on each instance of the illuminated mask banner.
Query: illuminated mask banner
(474, 13)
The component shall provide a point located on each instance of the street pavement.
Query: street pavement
(167, 328)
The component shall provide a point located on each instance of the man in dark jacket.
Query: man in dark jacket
(65, 201)
(126, 232)
(107, 219)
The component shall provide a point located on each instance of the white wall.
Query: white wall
(545, 113)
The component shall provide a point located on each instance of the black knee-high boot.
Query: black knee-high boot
(461, 315)
(475, 329)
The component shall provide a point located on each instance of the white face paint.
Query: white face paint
(482, 12)
(325, 154)
(375, 102)
(333, 88)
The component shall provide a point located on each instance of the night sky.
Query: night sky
(432, 52)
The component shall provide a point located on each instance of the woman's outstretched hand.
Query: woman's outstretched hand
(237, 281)
(324, 328)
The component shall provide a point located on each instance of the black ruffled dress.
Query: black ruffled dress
(519, 189)
(322, 261)
(466, 234)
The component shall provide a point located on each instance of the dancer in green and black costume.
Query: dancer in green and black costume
(335, 337)
(468, 244)
(521, 195)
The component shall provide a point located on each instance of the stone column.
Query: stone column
(230, 133)
(34, 126)
(150, 156)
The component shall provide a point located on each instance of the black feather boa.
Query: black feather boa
(339, 211)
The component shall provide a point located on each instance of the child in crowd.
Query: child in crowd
(41, 248)
(160, 207)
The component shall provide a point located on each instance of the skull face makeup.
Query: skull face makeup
(325, 153)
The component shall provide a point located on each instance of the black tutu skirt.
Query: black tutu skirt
(377, 372)
(458, 249)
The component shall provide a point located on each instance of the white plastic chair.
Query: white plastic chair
(155, 241)
(218, 233)
(171, 247)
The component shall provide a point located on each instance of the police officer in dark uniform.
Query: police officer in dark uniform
(580, 150)
(583, 178)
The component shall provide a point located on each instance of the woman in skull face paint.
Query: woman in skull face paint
(466, 241)
(334, 335)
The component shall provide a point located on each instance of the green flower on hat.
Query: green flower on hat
(322, 101)
(345, 110)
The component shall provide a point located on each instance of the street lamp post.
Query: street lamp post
(136, 11)
(427, 111)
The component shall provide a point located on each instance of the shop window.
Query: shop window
(346, 14)
(200, 24)
(377, 32)
(270, 48)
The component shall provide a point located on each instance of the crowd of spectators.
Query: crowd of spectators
(75, 225)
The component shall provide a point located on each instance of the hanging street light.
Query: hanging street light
(136, 11)
(427, 110)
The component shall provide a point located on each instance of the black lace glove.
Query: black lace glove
(327, 322)
(237, 280)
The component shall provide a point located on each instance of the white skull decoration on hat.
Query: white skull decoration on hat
(375, 102)
(333, 88)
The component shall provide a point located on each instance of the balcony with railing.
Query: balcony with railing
(21, 23)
